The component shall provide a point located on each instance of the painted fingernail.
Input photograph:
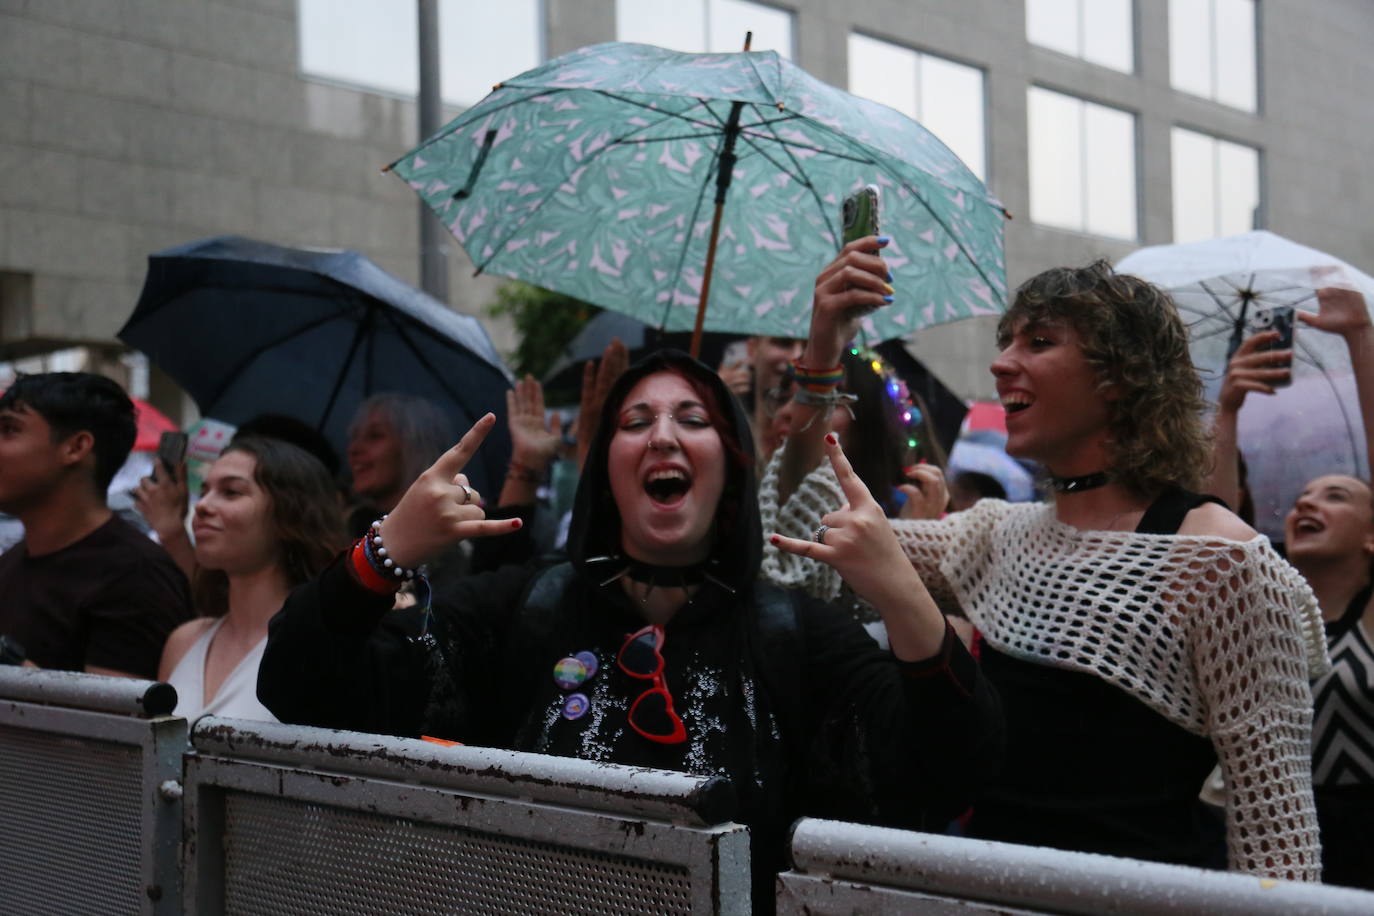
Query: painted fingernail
(883, 240)
(774, 539)
(922, 461)
(516, 523)
(830, 437)
(889, 276)
(887, 288)
(909, 470)
(887, 299)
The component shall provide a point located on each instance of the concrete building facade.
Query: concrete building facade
(127, 126)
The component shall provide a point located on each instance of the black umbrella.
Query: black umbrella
(639, 338)
(247, 327)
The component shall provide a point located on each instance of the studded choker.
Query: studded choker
(1079, 484)
(659, 576)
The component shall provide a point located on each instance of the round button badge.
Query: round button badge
(576, 706)
(570, 672)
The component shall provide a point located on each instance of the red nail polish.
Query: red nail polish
(774, 540)
(909, 470)
(516, 523)
(922, 461)
(830, 437)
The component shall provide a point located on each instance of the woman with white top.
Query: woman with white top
(1136, 631)
(268, 519)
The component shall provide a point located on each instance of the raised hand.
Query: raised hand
(1339, 310)
(926, 494)
(162, 499)
(1253, 369)
(858, 541)
(534, 440)
(597, 380)
(849, 287)
(441, 508)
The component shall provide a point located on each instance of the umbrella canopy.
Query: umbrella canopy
(1309, 429)
(596, 175)
(247, 327)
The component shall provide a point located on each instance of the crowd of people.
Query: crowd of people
(762, 576)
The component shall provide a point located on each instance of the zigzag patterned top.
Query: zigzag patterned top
(1225, 650)
(1343, 732)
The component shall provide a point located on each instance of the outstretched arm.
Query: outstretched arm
(1250, 369)
(849, 287)
(1344, 311)
(859, 543)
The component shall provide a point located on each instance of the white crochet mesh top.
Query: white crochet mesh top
(1225, 649)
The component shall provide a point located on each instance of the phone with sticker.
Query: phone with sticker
(1276, 318)
(860, 214)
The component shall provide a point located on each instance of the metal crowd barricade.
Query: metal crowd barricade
(90, 771)
(284, 819)
(849, 868)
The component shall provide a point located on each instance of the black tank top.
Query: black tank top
(1091, 768)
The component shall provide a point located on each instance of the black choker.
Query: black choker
(1078, 484)
(660, 576)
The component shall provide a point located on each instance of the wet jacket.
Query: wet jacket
(785, 696)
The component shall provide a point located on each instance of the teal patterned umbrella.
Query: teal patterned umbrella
(596, 175)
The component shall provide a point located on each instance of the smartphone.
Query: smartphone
(1278, 318)
(860, 214)
(171, 450)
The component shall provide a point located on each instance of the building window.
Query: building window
(1212, 50)
(945, 97)
(1216, 187)
(1082, 165)
(1098, 31)
(373, 44)
(704, 25)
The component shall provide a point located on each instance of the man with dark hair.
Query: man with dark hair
(84, 591)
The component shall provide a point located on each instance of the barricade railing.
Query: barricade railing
(848, 868)
(90, 791)
(286, 819)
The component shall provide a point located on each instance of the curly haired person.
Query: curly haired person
(1137, 631)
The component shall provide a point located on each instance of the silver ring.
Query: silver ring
(819, 536)
(467, 495)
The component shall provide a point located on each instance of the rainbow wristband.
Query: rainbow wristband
(817, 379)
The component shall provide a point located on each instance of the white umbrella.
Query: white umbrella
(1218, 284)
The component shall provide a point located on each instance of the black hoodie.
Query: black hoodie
(807, 718)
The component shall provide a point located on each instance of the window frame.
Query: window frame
(1136, 146)
(985, 122)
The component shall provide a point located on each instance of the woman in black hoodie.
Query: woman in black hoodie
(784, 696)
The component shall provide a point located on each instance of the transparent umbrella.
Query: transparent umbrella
(1306, 430)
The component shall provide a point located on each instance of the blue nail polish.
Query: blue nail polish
(887, 298)
(883, 239)
(889, 276)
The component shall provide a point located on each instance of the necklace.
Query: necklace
(660, 576)
(1079, 484)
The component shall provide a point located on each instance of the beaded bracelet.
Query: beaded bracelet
(377, 557)
(817, 379)
(523, 472)
(370, 579)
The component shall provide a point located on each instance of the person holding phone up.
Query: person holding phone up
(1329, 536)
(1136, 631)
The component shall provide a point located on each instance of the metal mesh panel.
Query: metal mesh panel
(71, 840)
(289, 857)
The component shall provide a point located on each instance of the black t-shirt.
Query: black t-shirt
(108, 600)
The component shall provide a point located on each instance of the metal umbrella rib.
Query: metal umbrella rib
(573, 198)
